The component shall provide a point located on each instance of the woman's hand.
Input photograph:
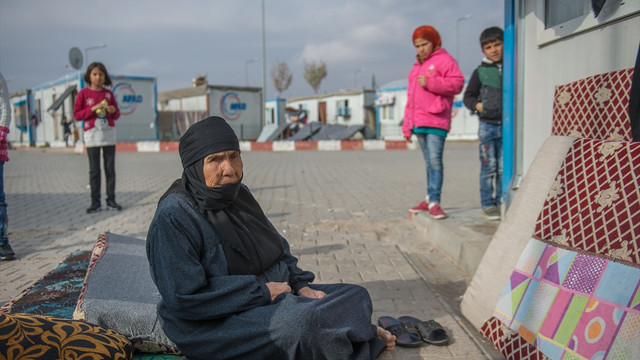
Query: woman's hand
(479, 107)
(407, 138)
(277, 288)
(111, 109)
(310, 293)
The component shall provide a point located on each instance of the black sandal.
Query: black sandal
(431, 331)
(405, 335)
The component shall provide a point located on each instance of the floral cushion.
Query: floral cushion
(27, 336)
(594, 107)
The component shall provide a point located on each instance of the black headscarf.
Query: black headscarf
(250, 244)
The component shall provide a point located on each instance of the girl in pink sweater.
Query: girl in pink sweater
(97, 107)
(434, 80)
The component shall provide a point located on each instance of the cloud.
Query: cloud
(334, 51)
(176, 40)
(137, 67)
(359, 42)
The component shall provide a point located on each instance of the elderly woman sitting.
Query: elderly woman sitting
(230, 286)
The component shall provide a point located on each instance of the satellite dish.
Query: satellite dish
(75, 58)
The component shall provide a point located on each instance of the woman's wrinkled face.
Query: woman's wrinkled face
(222, 168)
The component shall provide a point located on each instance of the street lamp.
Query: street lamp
(246, 70)
(264, 73)
(86, 58)
(468, 16)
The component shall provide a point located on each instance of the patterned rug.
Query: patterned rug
(56, 294)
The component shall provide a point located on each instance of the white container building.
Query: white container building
(40, 111)
(240, 106)
(391, 100)
(345, 107)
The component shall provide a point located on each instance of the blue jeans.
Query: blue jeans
(490, 164)
(4, 219)
(432, 147)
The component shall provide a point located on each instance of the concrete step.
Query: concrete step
(463, 236)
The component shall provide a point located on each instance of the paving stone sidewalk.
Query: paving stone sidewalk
(344, 214)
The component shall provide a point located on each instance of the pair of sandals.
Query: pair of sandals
(412, 332)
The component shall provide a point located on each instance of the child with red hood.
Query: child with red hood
(434, 80)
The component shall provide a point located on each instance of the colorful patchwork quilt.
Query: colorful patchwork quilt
(575, 291)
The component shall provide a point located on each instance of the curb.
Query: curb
(275, 146)
(463, 237)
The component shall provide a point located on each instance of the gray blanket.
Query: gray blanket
(119, 294)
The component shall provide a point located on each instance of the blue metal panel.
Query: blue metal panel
(508, 105)
(377, 120)
(155, 108)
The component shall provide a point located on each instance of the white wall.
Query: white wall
(16, 137)
(136, 97)
(240, 107)
(464, 125)
(309, 104)
(49, 129)
(194, 103)
(355, 105)
(605, 48)
(274, 111)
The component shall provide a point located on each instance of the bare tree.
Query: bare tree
(314, 74)
(281, 77)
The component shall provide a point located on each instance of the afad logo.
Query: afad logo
(126, 97)
(231, 106)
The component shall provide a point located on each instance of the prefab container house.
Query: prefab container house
(391, 100)
(240, 106)
(345, 107)
(549, 44)
(50, 104)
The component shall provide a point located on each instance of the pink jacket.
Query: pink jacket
(87, 98)
(5, 118)
(431, 105)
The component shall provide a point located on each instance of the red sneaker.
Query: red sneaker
(436, 212)
(423, 206)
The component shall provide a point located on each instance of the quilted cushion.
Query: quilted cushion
(594, 107)
(594, 203)
(118, 293)
(41, 337)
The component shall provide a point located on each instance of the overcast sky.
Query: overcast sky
(174, 41)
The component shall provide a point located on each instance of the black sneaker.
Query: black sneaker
(112, 205)
(6, 252)
(95, 207)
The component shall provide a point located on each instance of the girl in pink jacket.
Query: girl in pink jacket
(434, 80)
